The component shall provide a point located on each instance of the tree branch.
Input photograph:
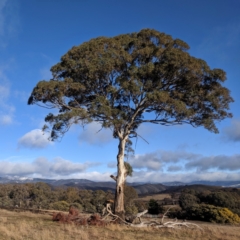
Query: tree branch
(113, 177)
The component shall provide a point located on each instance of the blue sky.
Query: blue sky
(35, 34)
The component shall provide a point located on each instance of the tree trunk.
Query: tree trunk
(119, 194)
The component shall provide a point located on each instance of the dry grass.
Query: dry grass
(29, 226)
(155, 197)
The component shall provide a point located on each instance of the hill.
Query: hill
(141, 188)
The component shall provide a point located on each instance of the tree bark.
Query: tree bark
(120, 180)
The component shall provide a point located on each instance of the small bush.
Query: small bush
(141, 205)
(131, 209)
(59, 217)
(60, 205)
(77, 206)
(73, 211)
(187, 200)
(96, 220)
(154, 207)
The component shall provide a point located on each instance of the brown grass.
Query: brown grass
(155, 197)
(29, 226)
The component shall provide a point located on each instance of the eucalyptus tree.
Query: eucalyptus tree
(130, 79)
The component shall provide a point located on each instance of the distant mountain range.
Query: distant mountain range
(208, 183)
(141, 188)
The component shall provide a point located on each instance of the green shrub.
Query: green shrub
(88, 207)
(212, 214)
(131, 209)
(77, 205)
(187, 200)
(154, 207)
(60, 205)
(141, 205)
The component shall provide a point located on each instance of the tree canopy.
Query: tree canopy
(116, 81)
(123, 81)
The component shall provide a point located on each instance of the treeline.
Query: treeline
(221, 206)
(43, 196)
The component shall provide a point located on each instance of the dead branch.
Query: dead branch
(165, 214)
(97, 220)
(113, 177)
(170, 224)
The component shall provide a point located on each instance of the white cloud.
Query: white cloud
(232, 133)
(65, 167)
(151, 161)
(42, 167)
(170, 161)
(157, 160)
(60, 168)
(94, 176)
(145, 176)
(34, 139)
(93, 134)
(220, 162)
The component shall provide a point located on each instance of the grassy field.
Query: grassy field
(154, 196)
(28, 226)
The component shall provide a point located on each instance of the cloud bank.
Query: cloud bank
(160, 177)
(42, 167)
(170, 161)
(34, 139)
(160, 169)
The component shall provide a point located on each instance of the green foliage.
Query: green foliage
(71, 195)
(128, 168)
(153, 207)
(176, 212)
(218, 205)
(99, 200)
(131, 209)
(77, 205)
(129, 195)
(221, 197)
(117, 81)
(212, 214)
(187, 200)
(60, 205)
(88, 207)
(40, 195)
(129, 151)
(141, 205)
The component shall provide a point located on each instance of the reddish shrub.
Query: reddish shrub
(96, 220)
(74, 217)
(73, 211)
(60, 217)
